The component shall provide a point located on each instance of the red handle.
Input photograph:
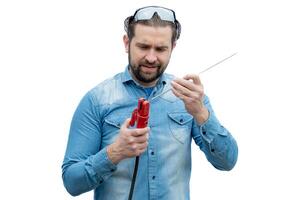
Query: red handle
(140, 115)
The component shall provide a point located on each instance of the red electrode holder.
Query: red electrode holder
(140, 115)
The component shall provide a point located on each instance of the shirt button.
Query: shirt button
(112, 170)
(153, 177)
(181, 120)
(212, 150)
(152, 153)
(203, 132)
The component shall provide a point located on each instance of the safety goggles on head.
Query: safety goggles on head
(147, 13)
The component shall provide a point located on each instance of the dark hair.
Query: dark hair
(155, 21)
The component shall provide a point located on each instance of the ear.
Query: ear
(126, 43)
(174, 45)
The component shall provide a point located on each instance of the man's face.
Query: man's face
(149, 53)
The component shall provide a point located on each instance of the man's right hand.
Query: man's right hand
(129, 143)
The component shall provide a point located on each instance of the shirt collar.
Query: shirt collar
(126, 76)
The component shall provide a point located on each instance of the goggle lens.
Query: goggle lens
(147, 13)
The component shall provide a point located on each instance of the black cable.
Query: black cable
(136, 166)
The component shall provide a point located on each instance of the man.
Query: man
(102, 145)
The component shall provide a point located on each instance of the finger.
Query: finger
(139, 131)
(194, 77)
(185, 99)
(178, 94)
(142, 147)
(186, 83)
(187, 95)
(139, 148)
(180, 89)
(141, 139)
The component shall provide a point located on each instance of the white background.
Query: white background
(53, 52)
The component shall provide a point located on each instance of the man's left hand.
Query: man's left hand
(190, 90)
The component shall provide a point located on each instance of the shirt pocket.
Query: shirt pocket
(111, 128)
(114, 122)
(180, 124)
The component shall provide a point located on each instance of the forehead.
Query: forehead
(153, 34)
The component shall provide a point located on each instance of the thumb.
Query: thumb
(126, 123)
(194, 77)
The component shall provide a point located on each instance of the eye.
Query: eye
(160, 49)
(143, 47)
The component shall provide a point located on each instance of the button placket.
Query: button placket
(152, 177)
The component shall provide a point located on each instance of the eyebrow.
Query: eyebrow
(140, 44)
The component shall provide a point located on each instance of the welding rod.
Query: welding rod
(206, 69)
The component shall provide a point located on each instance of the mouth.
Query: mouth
(148, 69)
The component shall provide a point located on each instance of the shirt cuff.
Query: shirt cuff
(211, 127)
(102, 165)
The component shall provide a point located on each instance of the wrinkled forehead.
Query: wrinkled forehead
(160, 35)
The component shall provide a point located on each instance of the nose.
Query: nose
(151, 56)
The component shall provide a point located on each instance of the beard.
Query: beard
(146, 77)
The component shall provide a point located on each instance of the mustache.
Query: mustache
(146, 63)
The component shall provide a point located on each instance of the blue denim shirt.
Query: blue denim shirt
(165, 168)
